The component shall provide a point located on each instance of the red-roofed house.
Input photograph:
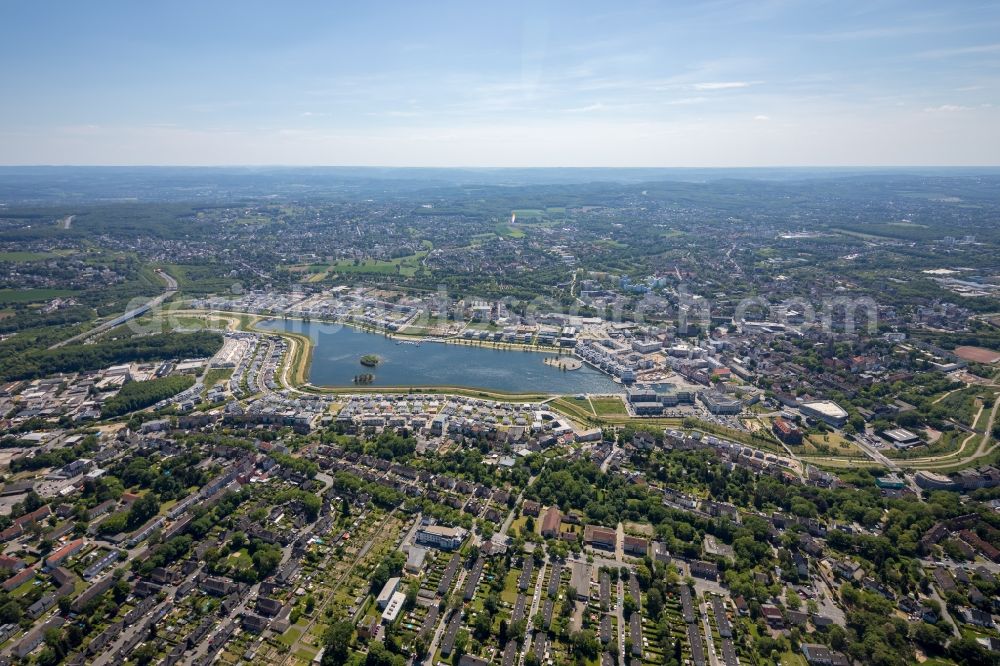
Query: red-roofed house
(11, 532)
(17, 579)
(984, 547)
(69, 550)
(8, 563)
(772, 614)
(34, 516)
(602, 537)
(786, 432)
(551, 522)
(637, 546)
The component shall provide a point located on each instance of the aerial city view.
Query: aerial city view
(435, 334)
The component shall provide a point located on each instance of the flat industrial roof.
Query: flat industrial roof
(827, 408)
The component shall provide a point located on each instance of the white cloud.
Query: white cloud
(874, 33)
(762, 118)
(590, 108)
(961, 51)
(687, 100)
(722, 85)
(946, 108)
(396, 113)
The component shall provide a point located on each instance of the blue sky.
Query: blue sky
(715, 83)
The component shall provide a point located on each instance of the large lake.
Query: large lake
(338, 349)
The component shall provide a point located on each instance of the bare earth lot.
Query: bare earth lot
(977, 354)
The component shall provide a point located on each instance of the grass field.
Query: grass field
(951, 462)
(483, 326)
(509, 594)
(835, 464)
(793, 659)
(517, 526)
(406, 266)
(168, 320)
(574, 408)
(290, 636)
(8, 296)
(198, 279)
(830, 444)
(608, 406)
(315, 277)
(984, 414)
(509, 231)
(962, 405)
(216, 375)
(26, 256)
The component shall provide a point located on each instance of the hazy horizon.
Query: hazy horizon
(515, 167)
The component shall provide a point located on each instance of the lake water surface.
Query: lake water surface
(338, 349)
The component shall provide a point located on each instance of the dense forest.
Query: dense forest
(138, 395)
(81, 358)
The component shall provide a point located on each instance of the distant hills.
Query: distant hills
(80, 184)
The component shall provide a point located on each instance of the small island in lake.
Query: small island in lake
(564, 363)
(370, 360)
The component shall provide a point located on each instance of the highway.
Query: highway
(128, 316)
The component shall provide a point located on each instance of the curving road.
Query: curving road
(128, 316)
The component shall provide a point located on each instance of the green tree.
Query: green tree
(629, 606)
(337, 641)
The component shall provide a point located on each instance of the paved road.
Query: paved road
(984, 445)
(536, 600)
(611, 456)
(827, 605)
(108, 655)
(128, 316)
(713, 659)
(458, 585)
(408, 537)
(992, 567)
(620, 615)
(875, 454)
(502, 533)
(945, 615)
(326, 480)
(260, 377)
(202, 647)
